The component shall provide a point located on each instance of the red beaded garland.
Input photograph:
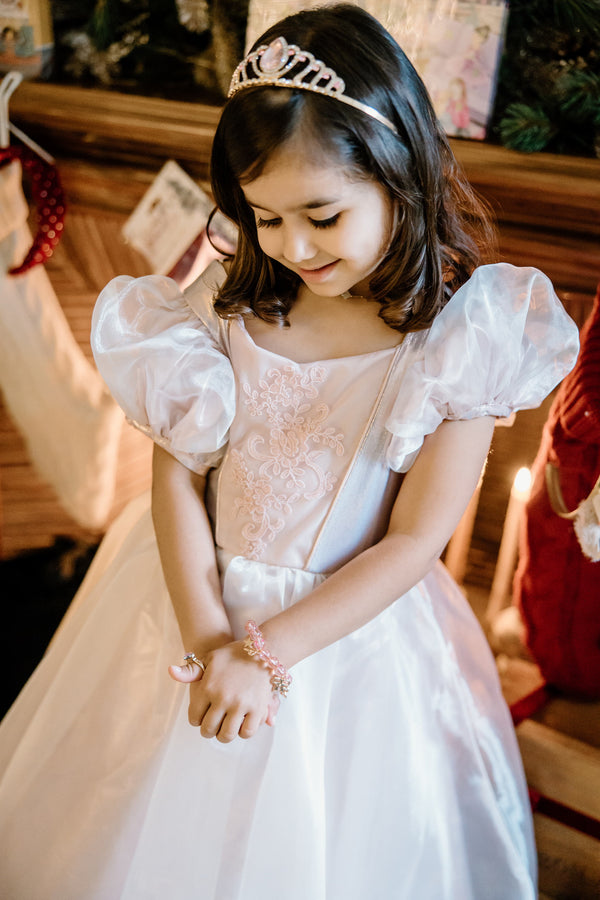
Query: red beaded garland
(48, 196)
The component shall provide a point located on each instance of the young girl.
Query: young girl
(322, 407)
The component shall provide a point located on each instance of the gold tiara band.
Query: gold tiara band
(271, 65)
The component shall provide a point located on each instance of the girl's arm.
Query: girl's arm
(430, 503)
(187, 554)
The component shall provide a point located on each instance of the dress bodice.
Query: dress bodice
(298, 430)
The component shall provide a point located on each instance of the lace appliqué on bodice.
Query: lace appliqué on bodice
(289, 469)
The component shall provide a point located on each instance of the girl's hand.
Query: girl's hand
(232, 697)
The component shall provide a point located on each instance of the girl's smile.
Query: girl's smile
(318, 275)
(312, 217)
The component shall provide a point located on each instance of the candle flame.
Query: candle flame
(522, 482)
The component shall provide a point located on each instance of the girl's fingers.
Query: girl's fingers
(230, 727)
(250, 726)
(186, 674)
(212, 722)
(250, 701)
(197, 713)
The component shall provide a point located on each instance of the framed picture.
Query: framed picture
(26, 43)
(168, 218)
(458, 60)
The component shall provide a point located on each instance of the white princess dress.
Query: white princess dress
(392, 772)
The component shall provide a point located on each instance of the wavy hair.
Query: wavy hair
(442, 231)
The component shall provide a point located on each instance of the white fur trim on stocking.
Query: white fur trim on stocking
(587, 524)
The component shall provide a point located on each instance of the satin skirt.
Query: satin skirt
(392, 771)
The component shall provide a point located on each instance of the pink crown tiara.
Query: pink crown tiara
(269, 65)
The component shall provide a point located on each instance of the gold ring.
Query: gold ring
(192, 658)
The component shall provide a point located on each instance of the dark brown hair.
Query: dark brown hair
(441, 227)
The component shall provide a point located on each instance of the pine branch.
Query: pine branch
(526, 128)
(577, 15)
(578, 94)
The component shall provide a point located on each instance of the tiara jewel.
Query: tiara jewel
(280, 64)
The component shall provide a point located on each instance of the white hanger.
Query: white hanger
(8, 86)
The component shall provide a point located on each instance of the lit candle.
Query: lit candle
(507, 555)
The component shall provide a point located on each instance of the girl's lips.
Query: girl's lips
(316, 275)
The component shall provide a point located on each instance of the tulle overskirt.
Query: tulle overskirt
(392, 771)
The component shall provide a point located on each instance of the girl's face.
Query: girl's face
(310, 217)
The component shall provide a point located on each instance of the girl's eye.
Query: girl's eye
(325, 223)
(268, 223)
(316, 223)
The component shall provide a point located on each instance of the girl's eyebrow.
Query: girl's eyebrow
(313, 204)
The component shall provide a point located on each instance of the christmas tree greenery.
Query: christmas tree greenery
(152, 46)
(549, 85)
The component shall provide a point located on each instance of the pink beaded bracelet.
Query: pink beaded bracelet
(254, 645)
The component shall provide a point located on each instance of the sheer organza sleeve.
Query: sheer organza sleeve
(501, 344)
(165, 366)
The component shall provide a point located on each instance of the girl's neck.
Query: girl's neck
(309, 298)
(326, 328)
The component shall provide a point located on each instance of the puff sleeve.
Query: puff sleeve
(501, 344)
(166, 366)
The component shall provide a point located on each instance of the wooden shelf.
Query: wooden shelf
(540, 189)
(91, 123)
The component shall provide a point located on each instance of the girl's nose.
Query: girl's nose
(297, 245)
